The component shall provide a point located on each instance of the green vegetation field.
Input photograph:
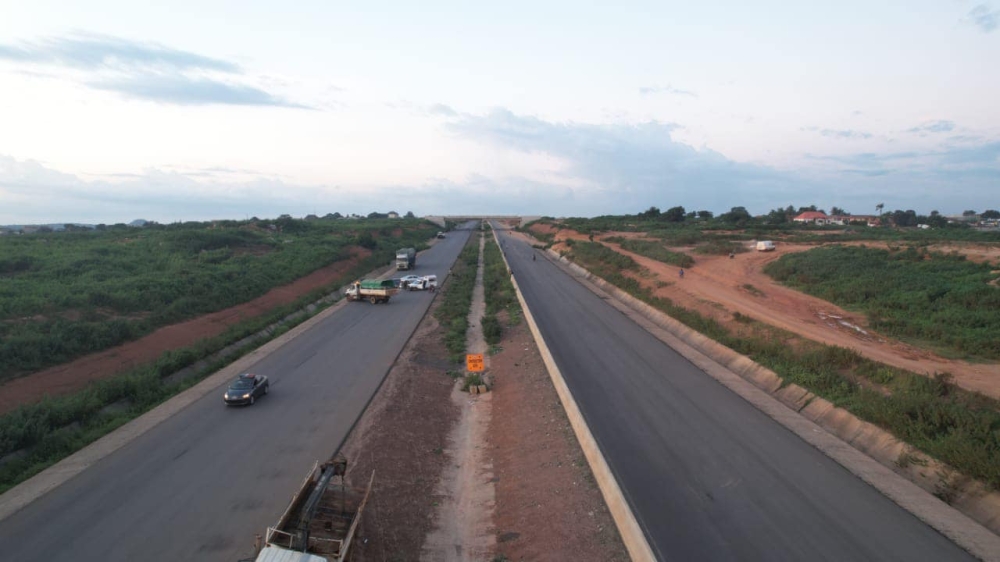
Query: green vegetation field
(66, 294)
(654, 250)
(498, 291)
(936, 300)
(453, 313)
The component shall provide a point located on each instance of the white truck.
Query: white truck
(425, 283)
(406, 258)
(321, 519)
(765, 246)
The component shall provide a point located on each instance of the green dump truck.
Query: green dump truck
(372, 290)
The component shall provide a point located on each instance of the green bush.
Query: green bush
(497, 287)
(492, 332)
(938, 300)
(456, 300)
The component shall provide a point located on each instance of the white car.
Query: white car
(404, 282)
(427, 282)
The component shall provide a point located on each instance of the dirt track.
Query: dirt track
(718, 286)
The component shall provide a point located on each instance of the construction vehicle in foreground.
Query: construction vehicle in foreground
(321, 519)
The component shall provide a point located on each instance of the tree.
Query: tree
(409, 215)
(904, 218)
(366, 240)
(879, 207)
(838, 211)
(991, 214)
(378, 215)
(777, 216)
(736, 215)
(705, 214)
(650, 213)
(969, 213)
(937, 220)
(674, 214)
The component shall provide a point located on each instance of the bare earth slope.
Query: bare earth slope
(716, 287)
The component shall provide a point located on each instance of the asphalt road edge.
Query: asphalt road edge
(628, 526)
(16, 498)
(761, 388)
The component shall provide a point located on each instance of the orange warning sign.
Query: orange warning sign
(474, 362)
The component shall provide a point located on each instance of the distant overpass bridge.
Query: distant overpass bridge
(522, 219)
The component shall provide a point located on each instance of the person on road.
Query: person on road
(681, 273)
(532, 257)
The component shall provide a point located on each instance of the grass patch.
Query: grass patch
(472, 379)
(498, 292)
(935, 299)
(453, 313)
(720, 248)
(653, 250)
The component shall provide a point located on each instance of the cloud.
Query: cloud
(40, 194)
(844, 134)
(869, 173)
(668, 89)
(967, 169)
(441, 109)
(933, 127)
(184, 90)
(984, 18)
(146, 71)
(620, 167)
(90, 51)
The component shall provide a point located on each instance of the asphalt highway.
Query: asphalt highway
(200, 485)
(707, 475)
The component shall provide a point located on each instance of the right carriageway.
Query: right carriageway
(706, 474)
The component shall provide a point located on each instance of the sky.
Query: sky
(113, 110)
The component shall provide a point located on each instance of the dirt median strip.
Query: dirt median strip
(761, 388)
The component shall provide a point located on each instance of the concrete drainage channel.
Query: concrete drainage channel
(865, 450)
